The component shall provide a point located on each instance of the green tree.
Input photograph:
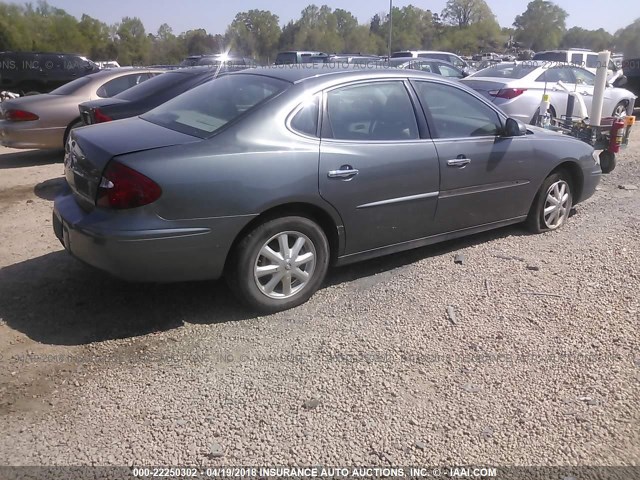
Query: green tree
(627, 40)
(413, 28)
(541, 26)
(578, 37)
(199, 42)
(255, 33)
(133, 43)
(463, 13)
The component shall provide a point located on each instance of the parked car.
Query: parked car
(227, 61)
(353, 59)
(293, 57)
(578, 57)
(108, 64)
(146, 96)
(44, 121)
(39, 72)
(448, 57)
(517, 88)
(253, 177)
(427, 65)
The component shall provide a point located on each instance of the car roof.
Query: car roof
(309, 72)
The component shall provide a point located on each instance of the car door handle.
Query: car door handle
(344, 172)
(458, 162)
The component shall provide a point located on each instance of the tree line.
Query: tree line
(464, 27)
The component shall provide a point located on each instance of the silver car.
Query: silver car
(517, 88)
(268, 176)
(44, 121)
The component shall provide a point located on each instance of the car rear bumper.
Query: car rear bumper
(152, 255)
(28, 135)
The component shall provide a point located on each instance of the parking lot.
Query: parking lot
(525, 353)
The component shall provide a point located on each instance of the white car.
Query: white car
(517, 88)
(577, 57)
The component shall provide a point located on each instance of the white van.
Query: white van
(580, 57)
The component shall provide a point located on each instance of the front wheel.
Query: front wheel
(620, 110)
(279, 264)
(553, 202)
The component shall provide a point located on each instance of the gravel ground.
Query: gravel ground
(524, 354)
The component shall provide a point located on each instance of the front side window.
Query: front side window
(455, 113)
(378, 111)
(206, 109)
(447, 71)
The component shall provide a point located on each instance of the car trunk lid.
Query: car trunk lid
(89, 149)
(484, 86)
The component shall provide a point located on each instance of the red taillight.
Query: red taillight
(100, 117)
(20, 116)
(122, 187)
(508, 93)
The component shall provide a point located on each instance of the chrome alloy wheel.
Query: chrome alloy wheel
(284, 265)
(557, 205)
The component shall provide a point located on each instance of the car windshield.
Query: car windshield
(506, 70)
(71, 87)
(152, 86)
(206, 109)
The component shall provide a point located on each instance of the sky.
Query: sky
(214, 16)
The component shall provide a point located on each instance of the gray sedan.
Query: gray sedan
(270, 175)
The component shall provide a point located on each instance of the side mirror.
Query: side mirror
(514, 128)
(620, 82)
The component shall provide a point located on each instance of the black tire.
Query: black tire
(246, 257)
(620, 106)
(75, 124)
(536, 221)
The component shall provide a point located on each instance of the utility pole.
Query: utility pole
(390, 24)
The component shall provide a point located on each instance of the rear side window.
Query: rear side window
(379, 111)
(454, 113)
(557, 74)
(447, 71)
(206, 109)
(576, 58)
(120, 84)
(306, 120)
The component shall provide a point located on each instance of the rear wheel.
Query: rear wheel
(553, 202)
(279, 264)
(75, 124)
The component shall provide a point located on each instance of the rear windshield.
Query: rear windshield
(551, 56)
(153, 86)
(206, 109)
(71, 87)
(506, 70)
